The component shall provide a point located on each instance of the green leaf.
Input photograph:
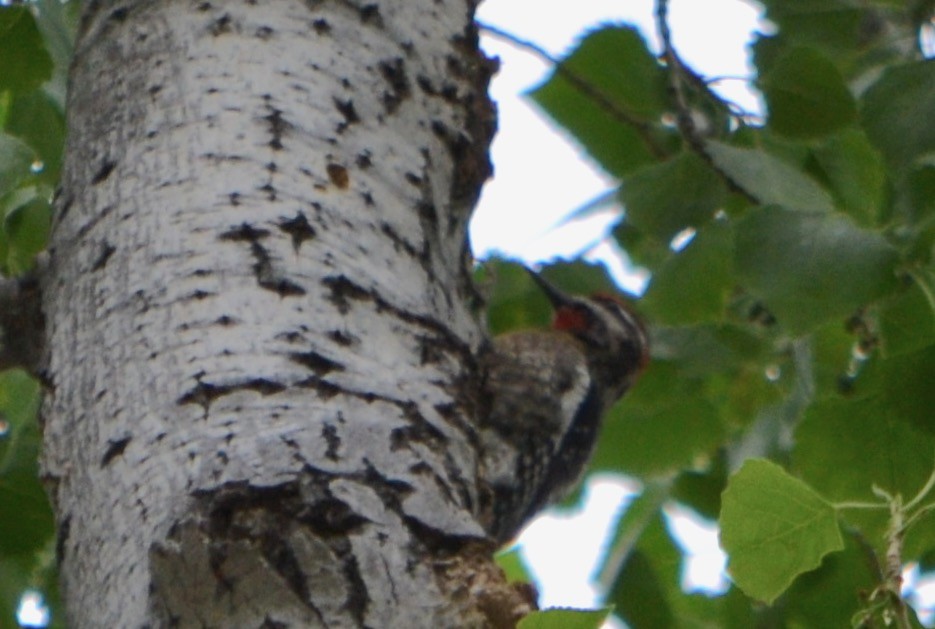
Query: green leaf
(907, 381)
(856, 173)
(25, 517)
(700, 351)
(769, 179)
(511, 562)
(774, 527)
(640, 597)
(829, 595)
(24, 61)
(649, 579)
(907, 320)
(845, 447)
(565, 619)
(36, 119)
(831, 24)
(664, 425)
(629, 90)
(897, 114)
(663, 199)
(27, 228)
(58, 22)
(693, 285)
(809, 268)
(832, 351)
(806, 95)
(640, 514)
(701, 490)
(16, 159)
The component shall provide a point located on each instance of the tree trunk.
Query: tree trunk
(260, 331)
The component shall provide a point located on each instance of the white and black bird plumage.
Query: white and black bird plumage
(544, 393)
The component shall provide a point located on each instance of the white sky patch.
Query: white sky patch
(705, 564)
(32, 610)
(571, 543)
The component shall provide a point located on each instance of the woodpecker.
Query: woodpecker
(544, 393)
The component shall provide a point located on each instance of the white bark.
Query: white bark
(260, 354)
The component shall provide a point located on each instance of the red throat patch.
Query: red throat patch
(570, 318)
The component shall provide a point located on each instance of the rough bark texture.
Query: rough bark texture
(259, 326)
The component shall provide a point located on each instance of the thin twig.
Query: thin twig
(677, 72)
(592, 92)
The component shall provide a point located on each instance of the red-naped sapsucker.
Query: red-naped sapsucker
(544, 393)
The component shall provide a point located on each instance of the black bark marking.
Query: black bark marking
(119, 14)
(197, 295)
(114, 449)
(277, 125)
(221, 26)
(269, 190)
(470, 170)
(428, 214)
(299, 229)
(293, 336)
(343, 291)
(65, 207)
(204, 6)
(429, 351)
(64, 531)
(266, 275)
(364, 160)
(394, 73)
(400, 243)
(315, 362)
(103, 172)
(321, 26)
(346, 109)
(264, 32)
(425, 84)
(262, 386)
(358, 597)
(342, 338)
(370, 13)
(106, 252)
(204, 393)
(330, 434)
(325, 390)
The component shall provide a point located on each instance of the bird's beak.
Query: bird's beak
(556, 297)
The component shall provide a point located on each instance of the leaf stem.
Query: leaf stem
(924, 286)
(859, 505)
(919, 497)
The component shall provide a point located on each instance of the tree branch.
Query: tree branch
(584, 86)
(677, 73)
